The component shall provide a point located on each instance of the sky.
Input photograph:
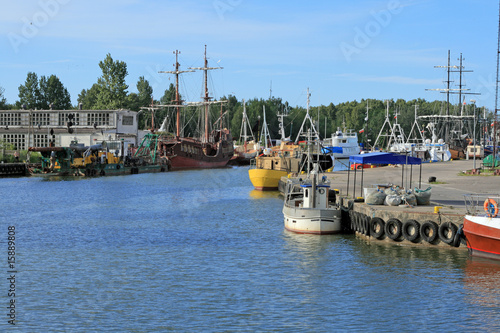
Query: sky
(340, 50)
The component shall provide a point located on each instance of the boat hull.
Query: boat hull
(483, 236)
(312, 220)
(189, 153)
(182, 162)
(265, 180)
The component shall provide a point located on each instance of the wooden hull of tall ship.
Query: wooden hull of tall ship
(483, 236)
(188, 153)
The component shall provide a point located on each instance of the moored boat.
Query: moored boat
(214, 149)
(267, 169)
(482, 225)
(342, 144)
(308, 208)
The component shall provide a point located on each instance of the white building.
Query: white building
(37, 128)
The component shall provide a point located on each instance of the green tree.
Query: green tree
(168, 98)
(3, 101)
(88, 97)
(169, 95)
(29, 92)
(52, 91)
(133, 102)
(112, 87)
(145, 90)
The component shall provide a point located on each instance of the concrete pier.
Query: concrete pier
(447, 193)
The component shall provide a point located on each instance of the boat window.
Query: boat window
(306, 193)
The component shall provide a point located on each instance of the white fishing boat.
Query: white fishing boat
(342, 144)
(308, 207)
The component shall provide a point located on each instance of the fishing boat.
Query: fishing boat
(244, 153)
(482, 225)
(214, 149)
(267, 169)
(342, 144)
(308, 207)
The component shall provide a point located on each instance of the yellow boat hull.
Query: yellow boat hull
(265, 180)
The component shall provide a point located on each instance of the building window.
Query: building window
(17, 140)
(99, 119)
(40, 118)
(63, 118)
(10, 119)
(128, 120)
(40, 140)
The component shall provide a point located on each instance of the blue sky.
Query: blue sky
(341, 50)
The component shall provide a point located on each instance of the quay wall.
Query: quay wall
(12, 169)
(404, 225)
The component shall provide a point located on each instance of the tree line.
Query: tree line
(111, 92)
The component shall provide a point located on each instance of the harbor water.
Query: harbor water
(201, 251)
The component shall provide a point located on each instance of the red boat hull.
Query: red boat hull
(181, 162)
(188, 153)
(483, 236)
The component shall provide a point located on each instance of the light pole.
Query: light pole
(474, 140)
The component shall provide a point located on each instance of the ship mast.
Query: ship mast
(206, 98)
(496, 98)
(448, 91)
(307, 117)
(177, 100)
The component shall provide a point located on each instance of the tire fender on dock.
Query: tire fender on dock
(411, 230)
(447, 232)
(377, 227)
(429, 231)
(393, 228)
(367, 221)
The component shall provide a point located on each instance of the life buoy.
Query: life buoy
(490, 207)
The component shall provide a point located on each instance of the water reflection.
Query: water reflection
(255, 194)
(482, 281)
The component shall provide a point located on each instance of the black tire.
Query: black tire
(408, 227)
(393, 228)
(447, 232)
(351, 220)
(363, 224)
(358, 225)
(458, 236)
(429, 231)
(377, 227)
(367, 220)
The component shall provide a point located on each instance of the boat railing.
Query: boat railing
(476, 203)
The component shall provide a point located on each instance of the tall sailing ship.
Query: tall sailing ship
(214, 149)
